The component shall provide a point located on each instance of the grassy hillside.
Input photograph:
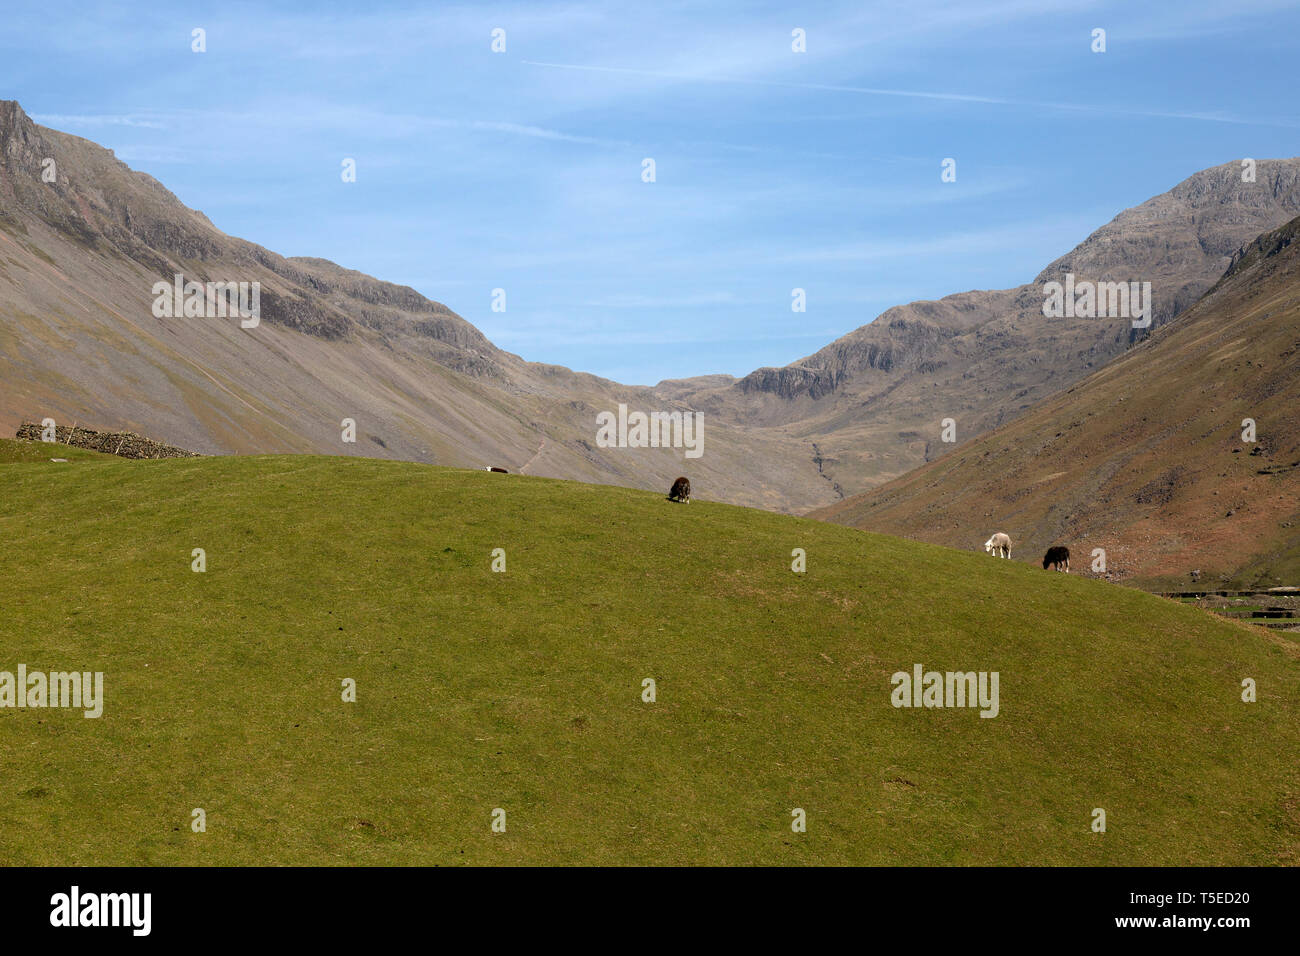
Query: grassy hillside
(522, 690)
(1145, 458)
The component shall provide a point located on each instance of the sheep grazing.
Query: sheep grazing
(999, 544)
(1058, 557)
(680, 491)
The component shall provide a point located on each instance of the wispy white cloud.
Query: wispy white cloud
(538, 132)
(1213, 117)
(59, 120)
(826, 87)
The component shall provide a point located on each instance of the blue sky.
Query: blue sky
(774, 169)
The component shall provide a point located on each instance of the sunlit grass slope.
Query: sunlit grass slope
(522, 690)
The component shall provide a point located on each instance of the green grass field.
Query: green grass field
(522, 690)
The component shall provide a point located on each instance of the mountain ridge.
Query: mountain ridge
(875, 400)
(78, 256)
(1181, 456)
